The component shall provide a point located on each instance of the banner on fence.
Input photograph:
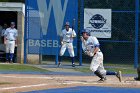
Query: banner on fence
(98, 21)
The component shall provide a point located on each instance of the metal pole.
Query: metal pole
(56, 59)
(40, 49)
(81, 27)
(57, 53)
(25, 33)
(40, 58)
(136, 32)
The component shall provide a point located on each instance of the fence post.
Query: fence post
(81, 27)
(25, 33)
(136, 32)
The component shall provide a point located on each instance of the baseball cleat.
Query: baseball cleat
(73, 65)
(137, 79)
(119, 76)
(7, 61)
(11, 61)
(59, 64)
(102, 80)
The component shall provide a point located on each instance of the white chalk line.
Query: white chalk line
(28, 86)
(38, 85)
(34, 77)
(68, 83)
(27, 77)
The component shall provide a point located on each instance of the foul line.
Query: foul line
(27, 77)
(38, 85)
(23, 86)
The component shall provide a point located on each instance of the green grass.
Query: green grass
(125, 69)
(4, 83)
(20, 67)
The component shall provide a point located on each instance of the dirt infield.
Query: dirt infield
(11, 83)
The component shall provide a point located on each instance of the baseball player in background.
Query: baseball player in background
(10, 40)
(91, 47)
(66, 38)
(3, 31)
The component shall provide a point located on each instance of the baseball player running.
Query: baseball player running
(10, 40)
(66, 38)
(91, 47)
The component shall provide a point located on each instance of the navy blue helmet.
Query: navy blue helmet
(86, 31)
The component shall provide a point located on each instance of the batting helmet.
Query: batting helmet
(86, 31)
(67, 24)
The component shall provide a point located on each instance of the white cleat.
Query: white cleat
(119, 75)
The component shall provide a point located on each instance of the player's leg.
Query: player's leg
(12, 48)
(7, 51)
(71, 52)
(62, 51)
(117, 74)
(138, 72)
(103, 71)
(96, 61)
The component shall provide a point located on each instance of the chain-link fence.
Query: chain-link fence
(121, 47)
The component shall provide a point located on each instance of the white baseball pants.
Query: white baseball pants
(97, 63)
(68, 46)
(10, 46)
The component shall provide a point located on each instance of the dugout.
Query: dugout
(10, 11)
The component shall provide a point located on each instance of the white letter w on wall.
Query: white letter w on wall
(59, 14)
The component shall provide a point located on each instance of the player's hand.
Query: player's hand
(5, 42)
(82, 39)
(62, 42)
(90, 54)
(72, 36)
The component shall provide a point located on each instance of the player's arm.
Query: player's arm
(96, 50)
(96, 45)
(5, 34)
(73, 34)
(82, 39)
(16, 39)
(85, 48)
(61, 38)
(4, 40)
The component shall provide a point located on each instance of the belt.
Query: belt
(10, 40)
(66, 42)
